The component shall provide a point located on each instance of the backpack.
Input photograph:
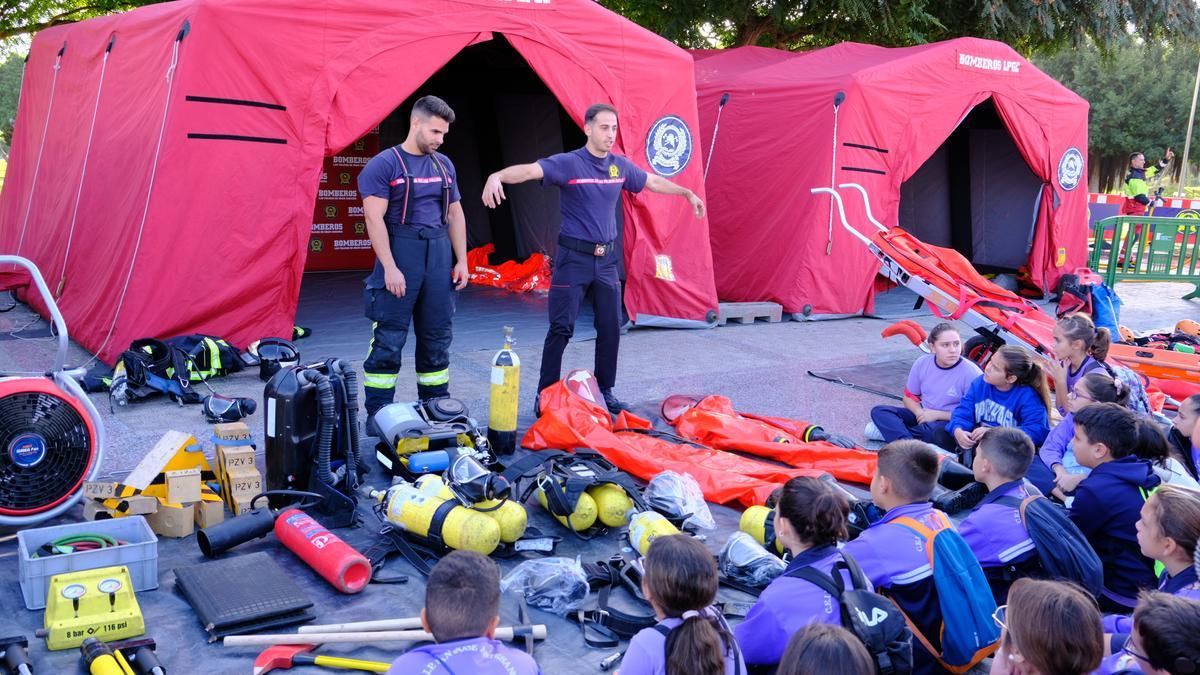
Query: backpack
(871, 617)
(969, 634)
(1064, 552)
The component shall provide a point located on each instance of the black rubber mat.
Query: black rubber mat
(242, 593)
(886, 378)
(331, 305)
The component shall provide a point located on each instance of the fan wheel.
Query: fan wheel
(47, 446)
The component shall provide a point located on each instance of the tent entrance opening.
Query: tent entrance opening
(975, 194)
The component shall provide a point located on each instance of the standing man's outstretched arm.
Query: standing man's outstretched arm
(662, 186)
(493, 190)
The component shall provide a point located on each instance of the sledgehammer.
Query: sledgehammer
(282, 657)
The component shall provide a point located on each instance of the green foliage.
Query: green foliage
(1028, 25)
(11, 72)
(29, 16)
(1140, 96)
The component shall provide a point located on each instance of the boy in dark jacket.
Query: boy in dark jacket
(993, 530)
(1108, 502)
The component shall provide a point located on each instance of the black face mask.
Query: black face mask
(219, 409)
(274, 354)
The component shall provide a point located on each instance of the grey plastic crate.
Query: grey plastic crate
(140, 555)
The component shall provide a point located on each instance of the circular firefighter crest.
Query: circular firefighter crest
(669, 146)
(1070, 169)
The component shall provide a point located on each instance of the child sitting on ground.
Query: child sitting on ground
(691, 637)
(936, 383)
(995, 532)
(1108, 502)
(821, 649)
(1163, 641)
(1184, 437)
(1012, 392)
(893, 556)
(1154, 447)
(1050, 628)
(1079, 348)
(1056, 470)
(1167, 533)
(462, 610)
(810, 520)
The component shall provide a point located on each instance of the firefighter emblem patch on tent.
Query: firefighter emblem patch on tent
(1070, 169)
(668, 146)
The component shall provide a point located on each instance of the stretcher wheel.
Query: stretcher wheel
(979, 349)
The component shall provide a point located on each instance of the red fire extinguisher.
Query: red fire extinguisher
(335, 560)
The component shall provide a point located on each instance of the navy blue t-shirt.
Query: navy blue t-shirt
(591, 187)
(383, 177)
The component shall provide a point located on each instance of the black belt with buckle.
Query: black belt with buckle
(588, 247)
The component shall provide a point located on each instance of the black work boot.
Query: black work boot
(611, 402)
(961, 500)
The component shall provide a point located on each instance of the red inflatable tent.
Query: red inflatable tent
(963, 143)
(166, 161)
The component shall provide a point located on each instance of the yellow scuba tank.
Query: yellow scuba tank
(612, 504)
(502, 406)
(647, 526)
(584, 515)
(510, 516)
(412, 508)
(759, 522)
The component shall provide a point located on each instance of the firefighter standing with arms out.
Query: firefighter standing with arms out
(418, 232)
(1136, 191)
(590, 180)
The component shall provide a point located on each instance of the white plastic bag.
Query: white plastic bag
(679, 495)
(557, 585)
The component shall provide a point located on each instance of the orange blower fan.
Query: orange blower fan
(51, 436)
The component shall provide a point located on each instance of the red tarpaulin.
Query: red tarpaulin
(1023, 199)
(191, 209)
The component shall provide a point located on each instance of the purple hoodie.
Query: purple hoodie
(787, 605)
(995, 532)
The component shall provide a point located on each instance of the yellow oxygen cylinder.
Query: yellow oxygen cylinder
(584, 515)
(647, 526)
(759, 522)
(510, 516)
(412, 508)
(612, 503)
(506, 389)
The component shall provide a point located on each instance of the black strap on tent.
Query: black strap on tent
(860, 146)
(234, 101)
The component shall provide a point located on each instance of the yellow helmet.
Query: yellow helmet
(1127, 334)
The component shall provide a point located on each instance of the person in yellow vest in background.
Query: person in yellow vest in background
(1136, 191)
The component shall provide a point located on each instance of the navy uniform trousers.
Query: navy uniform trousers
(426, 258)
(574, 274)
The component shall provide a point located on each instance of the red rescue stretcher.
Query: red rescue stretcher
(955, 290)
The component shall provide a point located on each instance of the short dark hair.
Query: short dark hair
(1010, 450)
(814, 510)
(825, 649)
(462, 596)
(1135, 155)
(432, 106)
(911, 466)
(1111, 424)
(1169, 625)
(595, 109)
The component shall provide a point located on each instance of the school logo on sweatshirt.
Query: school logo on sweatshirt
(993, 414)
